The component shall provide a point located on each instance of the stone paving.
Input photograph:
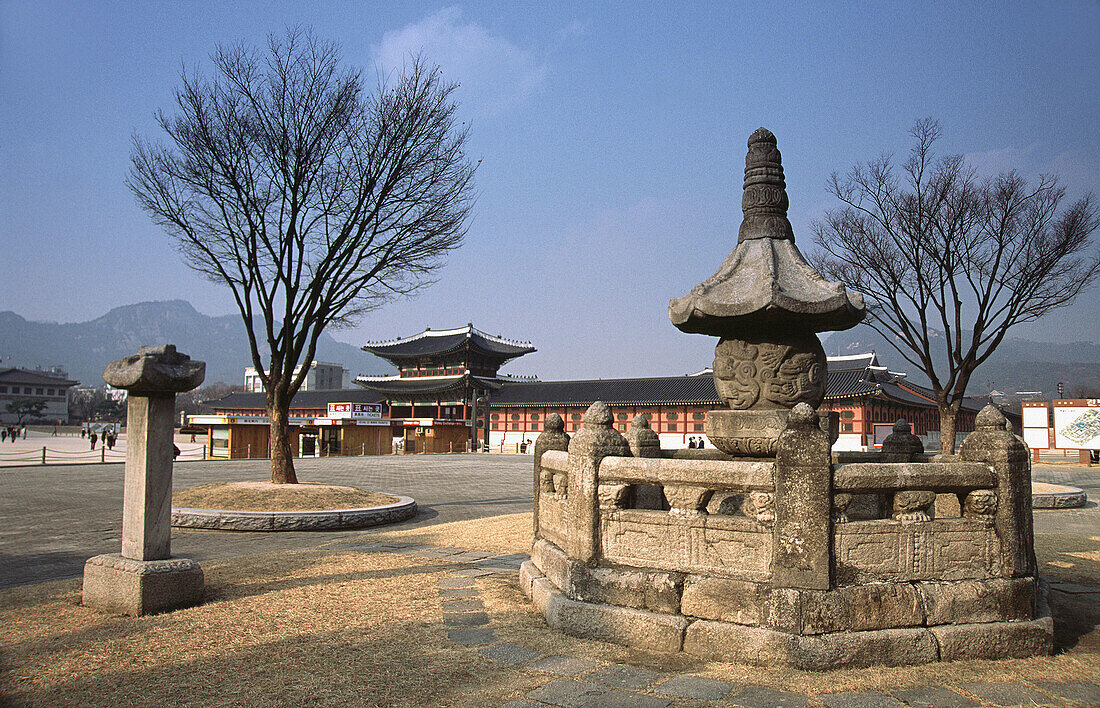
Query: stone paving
(54, 517)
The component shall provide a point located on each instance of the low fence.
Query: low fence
(46, 455)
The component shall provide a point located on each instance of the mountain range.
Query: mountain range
(1016, 365)
(83, 349)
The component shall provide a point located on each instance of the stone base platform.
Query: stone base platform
(727, 641)
(125, 586)
(331, 520)
(1056, 496)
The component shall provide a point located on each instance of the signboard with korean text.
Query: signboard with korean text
(1077, 423)
(355, 411)
(1036, 424)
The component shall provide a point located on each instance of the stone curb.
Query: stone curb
(1056, 496)
(333, 520)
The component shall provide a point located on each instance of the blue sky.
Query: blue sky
(611, 139)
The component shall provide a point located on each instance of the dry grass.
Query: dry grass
(510, 533)
(306, 628)
(265, 496)
(330, 627)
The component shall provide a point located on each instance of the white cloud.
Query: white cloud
(494, 73)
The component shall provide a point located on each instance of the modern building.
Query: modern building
(50, 385)
(322, 376)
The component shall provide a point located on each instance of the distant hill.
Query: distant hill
(1016, 365)
(83, 349)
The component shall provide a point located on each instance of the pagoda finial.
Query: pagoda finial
(764, 201)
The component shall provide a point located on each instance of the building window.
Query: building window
(699, 427)
(534, 416)
(515, 426)
(621, 416)
(481, 424)
(698, 416)
(515, 416)
(847, 414)
(49, 392)
(496, 426)
(27, 390)
(3, 389)
(534, 426)
(622, 427)
(495, 416)
(671, 416)
(672, 427)
(575, 416)
(846, 427)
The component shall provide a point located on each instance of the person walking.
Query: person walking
(109, 439)
(3, 434)
(94, 439)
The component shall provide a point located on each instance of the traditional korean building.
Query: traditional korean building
(431, 403)
(432, 399)
(869, 397)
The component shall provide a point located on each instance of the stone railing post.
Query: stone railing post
(143, 579)
(992, 444)
(553, 437)
(595, 440)
(803, 504)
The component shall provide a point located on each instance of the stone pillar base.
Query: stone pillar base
(125, 586)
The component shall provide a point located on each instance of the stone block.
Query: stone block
(883, 647)
(725, 599)
(527, 574)
(697, 687)
(977, 601)
(803, 503)
(542, 593)
(552, 563)
(653, 591)
(995, 640)
(861, 608)
(723, 641)
(754, 645)
(131, 587)
(622, 625)
(947, 506)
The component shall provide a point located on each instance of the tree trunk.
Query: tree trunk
(948, 414)
(282, 457)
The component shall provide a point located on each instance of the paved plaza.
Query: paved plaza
(54, 517)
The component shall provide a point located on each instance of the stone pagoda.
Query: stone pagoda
(768, 550)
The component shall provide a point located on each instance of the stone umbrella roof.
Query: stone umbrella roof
(765, 280)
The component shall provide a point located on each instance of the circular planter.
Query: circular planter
(328, 520)
(1056, 496)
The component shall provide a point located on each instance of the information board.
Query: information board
(1036, 425)
(1077, 424)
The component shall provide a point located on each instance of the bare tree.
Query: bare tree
(311, 200)
(933, 247)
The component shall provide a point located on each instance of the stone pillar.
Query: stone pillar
(1008, 455)
(901, 445)
(144, 579)
(803, 504)
(595, 440)
(553, 437)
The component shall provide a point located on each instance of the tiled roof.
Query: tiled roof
(425, 385)
(34, 378)
(304, 399)
(660, 390)
(435, 342)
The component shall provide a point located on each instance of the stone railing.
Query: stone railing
(881, 543)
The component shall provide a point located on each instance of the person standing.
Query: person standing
(94, 439)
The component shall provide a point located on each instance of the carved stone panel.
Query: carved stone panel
(950, 549)
(552, 524)
(659, 540)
